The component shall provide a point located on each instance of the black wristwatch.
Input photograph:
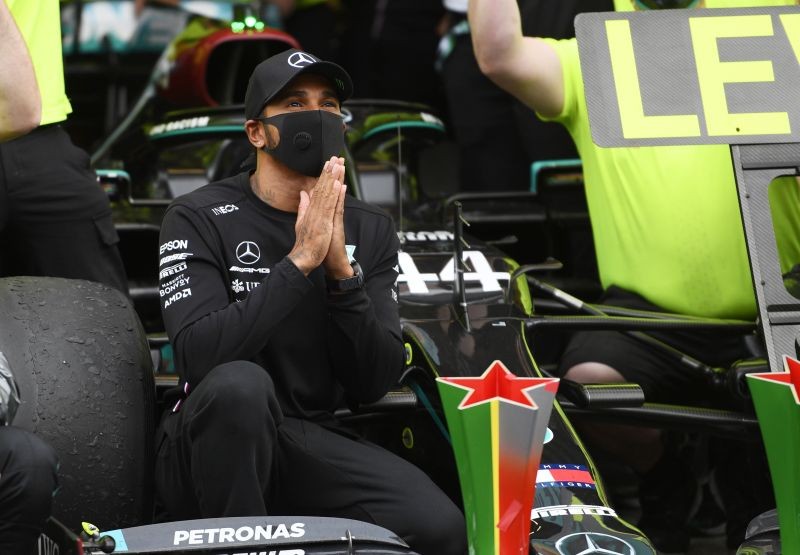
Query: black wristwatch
(356, 281)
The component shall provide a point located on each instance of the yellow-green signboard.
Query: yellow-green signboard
(707, 76)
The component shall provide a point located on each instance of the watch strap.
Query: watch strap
(356, 281)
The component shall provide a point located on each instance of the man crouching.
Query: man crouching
(280, 310)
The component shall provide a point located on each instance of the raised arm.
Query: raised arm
(20, 102)
(364, 338)
(526, 67)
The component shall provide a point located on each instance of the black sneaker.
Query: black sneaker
(669, 495)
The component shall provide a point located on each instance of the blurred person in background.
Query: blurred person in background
(316, 24)
(28, 480)
(28, 475)
(55, 220)
(20, 102)
(389, 47)
(499, 137)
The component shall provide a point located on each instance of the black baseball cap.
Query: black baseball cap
(274, 73)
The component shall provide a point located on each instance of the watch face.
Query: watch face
(358, 275)
(356, 281)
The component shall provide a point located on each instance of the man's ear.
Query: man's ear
(255, 133)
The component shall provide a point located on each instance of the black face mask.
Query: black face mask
(306, 139)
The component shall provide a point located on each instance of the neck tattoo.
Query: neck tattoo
(266, 195)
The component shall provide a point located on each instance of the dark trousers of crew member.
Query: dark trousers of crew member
(27, 482)
(55, 220)
(229, 451)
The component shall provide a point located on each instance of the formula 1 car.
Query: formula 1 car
(94, 364)
(456, 320)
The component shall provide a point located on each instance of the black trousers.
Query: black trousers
(27, 482)
(662, 379)
(229, 451)
(55, 220)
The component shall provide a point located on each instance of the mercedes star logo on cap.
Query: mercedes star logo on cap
(593, 543)
(248, 252)
(301, 59)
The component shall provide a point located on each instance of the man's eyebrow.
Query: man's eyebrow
(302, 93)
(290, 93)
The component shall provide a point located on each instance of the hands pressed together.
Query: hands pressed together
(319, 228)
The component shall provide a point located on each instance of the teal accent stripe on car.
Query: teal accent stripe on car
(195, 130)
(402, 125)
(112, 173)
